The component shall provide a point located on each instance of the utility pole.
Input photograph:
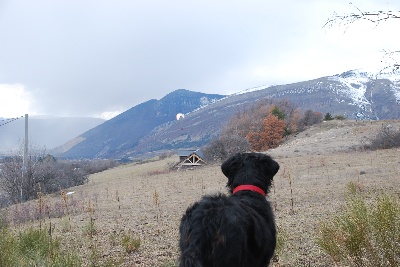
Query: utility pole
(25, 158)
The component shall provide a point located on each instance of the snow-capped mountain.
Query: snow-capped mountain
(151, 126)
(356, 85)
(354, 94)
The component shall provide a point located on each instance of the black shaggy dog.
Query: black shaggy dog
(236, 230)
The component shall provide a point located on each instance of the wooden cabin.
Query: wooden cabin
(190, 158)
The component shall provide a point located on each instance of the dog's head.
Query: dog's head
(250, 168)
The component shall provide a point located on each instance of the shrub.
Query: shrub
(44, 174)
(386, 138)
(340, 117)
(252, 118)
(33, 248)
(4, 200)
(281, 237)
(328, 117)
(363, 233)
(130, 244)
(251, 123)
(273, 131)
(310, 118)
(225, 146)
(215, 151)
(165, 155)
(90, 228)
(3, 220)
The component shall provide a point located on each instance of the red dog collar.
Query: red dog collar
(249, 187)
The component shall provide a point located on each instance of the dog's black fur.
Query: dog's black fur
(236, 230)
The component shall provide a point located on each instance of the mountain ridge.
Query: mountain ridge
(354, 94)
(326, 94)
(124, 131)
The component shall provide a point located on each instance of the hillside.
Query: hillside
(115, 137)
(327, 94)
(335, 136)
(147, 200)
(352, 94)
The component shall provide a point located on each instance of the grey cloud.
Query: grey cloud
(87, 57)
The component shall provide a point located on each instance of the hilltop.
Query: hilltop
(336, 136)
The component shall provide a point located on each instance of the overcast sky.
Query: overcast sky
(99, 58)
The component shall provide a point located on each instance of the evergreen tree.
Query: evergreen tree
(328, 117)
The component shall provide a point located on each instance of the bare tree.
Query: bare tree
(387, 137)
(44, 174)
(11, 177)
(310, 118)
(37, 176)
(375, 17)
(225, 146)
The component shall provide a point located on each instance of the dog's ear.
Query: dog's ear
(231, 166)
(271, 167)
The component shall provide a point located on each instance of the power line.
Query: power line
(7, 121)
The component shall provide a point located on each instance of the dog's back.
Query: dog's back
(236, 230)
(228, 231)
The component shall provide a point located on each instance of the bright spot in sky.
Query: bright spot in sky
(14, 101)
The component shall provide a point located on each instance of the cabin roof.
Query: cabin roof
(188, 152)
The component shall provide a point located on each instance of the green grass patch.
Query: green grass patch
(366, 232)
(130, 244)
(33, 247)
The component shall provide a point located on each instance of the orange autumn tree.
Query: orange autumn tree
(248, 119)
(271, 135)
(256, 124)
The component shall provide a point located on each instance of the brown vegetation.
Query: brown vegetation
(130, 215)
(44, 174)
(265, 124)
(270, 135)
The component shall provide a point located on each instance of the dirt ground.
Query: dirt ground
(146, 201)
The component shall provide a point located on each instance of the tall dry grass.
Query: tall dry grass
(366, 232)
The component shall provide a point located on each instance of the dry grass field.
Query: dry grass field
(103, 218)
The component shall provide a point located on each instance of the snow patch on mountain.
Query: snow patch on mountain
(395, 88)
(205, 101)
(394, 77)
(354, 87)
(396, 91)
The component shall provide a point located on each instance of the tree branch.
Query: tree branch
(372, 16)
(375, 17)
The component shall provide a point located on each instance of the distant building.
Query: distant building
(190, 158)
